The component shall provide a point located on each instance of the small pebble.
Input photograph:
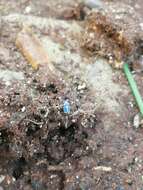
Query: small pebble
(136, 159)
(77, 177)
(27, 9)
(82, 86)
(130, 139)
(131, 104)
(136, 121)
(23, 109)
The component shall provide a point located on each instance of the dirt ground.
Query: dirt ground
(41, 147)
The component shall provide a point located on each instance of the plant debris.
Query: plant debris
(117, 39)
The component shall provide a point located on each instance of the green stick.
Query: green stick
(133, 87)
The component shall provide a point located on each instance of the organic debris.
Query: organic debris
(115, 39)
(37, 132)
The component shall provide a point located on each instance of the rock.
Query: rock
(136, 159)
(130, 139)
(131, 104)
(81, 87)
(7, 76)
(23, 109)
(28, 9)
(136, 121)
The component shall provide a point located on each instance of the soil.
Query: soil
(41, 146)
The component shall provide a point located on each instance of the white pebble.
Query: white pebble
(23, 109)
(27, 9)
(136, 121)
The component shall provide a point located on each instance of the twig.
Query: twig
(103, 168)
(36, 123)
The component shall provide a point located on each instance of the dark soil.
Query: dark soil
(41, 147)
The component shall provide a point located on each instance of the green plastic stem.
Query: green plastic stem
(134, 87)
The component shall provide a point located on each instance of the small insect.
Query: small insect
(66, 106)
(66, 109)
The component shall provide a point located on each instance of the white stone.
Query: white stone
(23, 109)
(27, 9)
(136, 121)
(82, 86)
